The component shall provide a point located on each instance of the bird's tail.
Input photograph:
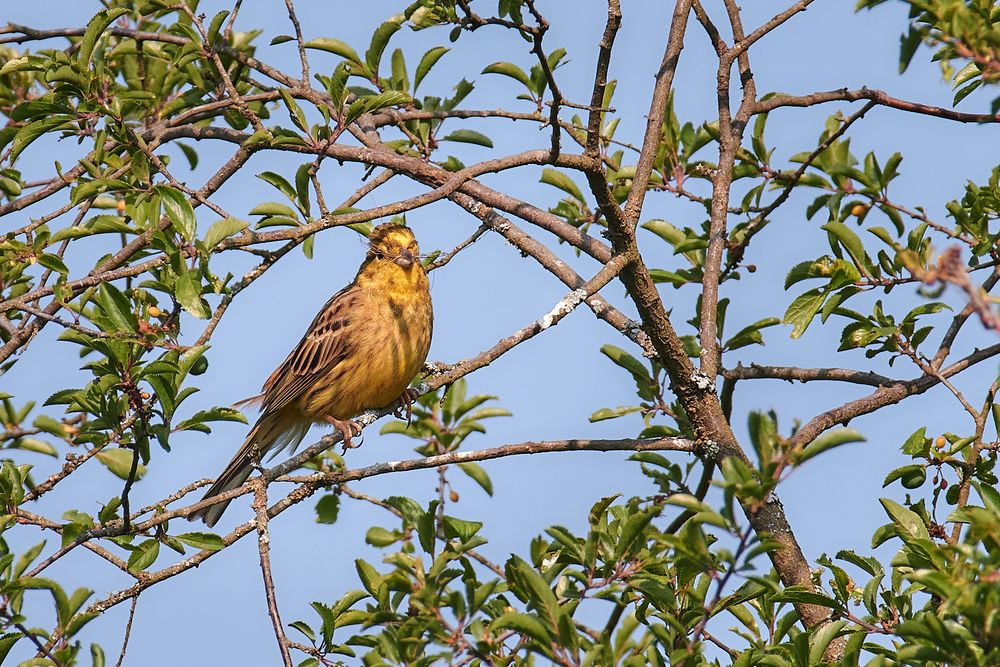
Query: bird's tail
(271, 432)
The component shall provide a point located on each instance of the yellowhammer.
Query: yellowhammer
(361, 352)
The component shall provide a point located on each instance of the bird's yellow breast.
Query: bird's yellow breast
(386, 351)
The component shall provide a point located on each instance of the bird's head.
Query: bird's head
(393, 243)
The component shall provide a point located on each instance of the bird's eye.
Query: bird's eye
(378, 254)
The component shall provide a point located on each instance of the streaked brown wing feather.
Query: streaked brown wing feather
(325, 344)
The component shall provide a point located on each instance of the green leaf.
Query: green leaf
(187, 291)
(563, 182)
(613, 413)
(222, 230)
(965, 92)
(627, 361)
(144, 555)
(750, 335)
(802, 310)
(117, 308)
(665, 231)
(632, 535)
(460, 528)
(511, 70)
(524, 624)
(478, 475)
(213, 414)
(908, 44)
(119, 462)
(913, 476)
(202, 540)
(327, 508)
(370, 578)
(34, 445)
(28, 133)
(849, 240)
(400, 78)
(96, 656)
(7, 642)
(273, 208)
(821, 638)
(336, 46)
(469, 137)
(179, 211)
(216, 25)
(373, 56)
(990, 496)
(379, 537)
(801, 595)
(916, 444)
(907, 521)
(363, 105)
(294, 110)
(426, 63)
(840, 436)
(95, 28)
(302, 188)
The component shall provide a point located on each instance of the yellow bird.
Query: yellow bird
(360, 352)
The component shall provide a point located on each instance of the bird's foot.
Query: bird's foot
(405, 402)
(348, 428)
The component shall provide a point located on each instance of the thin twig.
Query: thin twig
(264, 549)
(128, 631)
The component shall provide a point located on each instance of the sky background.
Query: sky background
(217, 613)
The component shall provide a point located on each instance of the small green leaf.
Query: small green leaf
(144, 555)
(460, 528)
(222, 230)
(426, 63)
(272, 208)
(380, 38)
(95, 28)
(479, 475)
(563, 182)
(202, 540)
(34, 445)
(613, 413)
(841, 436)
(801, 595)
(327, 508)
(336, 46)
(363, 105)
(917, 444)
(525, 624)
(116, 307)
(751, 335)
(294, 110)
(28, 133)
(379, 537)
(801, 311)
(187, 291)
(850, 241)
(511, 70)
(469, 137)
(179, 211)
(119, 462)
(907, 521)
(213, 414)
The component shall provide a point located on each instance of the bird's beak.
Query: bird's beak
(405, 259)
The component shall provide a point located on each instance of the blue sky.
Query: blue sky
(555, 381)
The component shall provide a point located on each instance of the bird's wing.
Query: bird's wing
(326, 343)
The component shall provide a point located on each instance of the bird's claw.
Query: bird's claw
(405, 402)
(348, 429)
